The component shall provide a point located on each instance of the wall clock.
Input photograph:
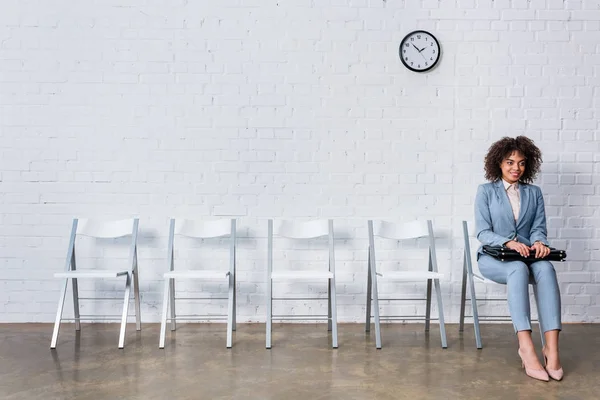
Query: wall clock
(419, 51)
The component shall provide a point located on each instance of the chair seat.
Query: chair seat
(90, 274)
(409, 276)
(199, 274)
(482, 279)
(301, 275)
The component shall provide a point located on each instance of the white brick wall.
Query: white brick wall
(296, 109)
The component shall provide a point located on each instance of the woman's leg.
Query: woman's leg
(515, 274)
(551, 349)
(549, 308)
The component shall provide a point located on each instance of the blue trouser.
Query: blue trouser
(517, 275)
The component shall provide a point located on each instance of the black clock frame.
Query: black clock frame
(429, 67)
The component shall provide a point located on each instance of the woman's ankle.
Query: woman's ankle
(550, 349)
(527, 349)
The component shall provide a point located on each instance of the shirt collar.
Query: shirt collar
(507, 185)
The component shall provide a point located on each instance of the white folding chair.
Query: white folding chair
(397, 232)
(302, 230)
(470, 277)
(100, 230)
(200, 230)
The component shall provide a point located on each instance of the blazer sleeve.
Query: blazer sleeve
(538, 231)
(483, 221)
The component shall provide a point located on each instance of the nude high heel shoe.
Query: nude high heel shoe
(539, 374)
(556, 374)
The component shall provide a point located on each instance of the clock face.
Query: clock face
(419, 51)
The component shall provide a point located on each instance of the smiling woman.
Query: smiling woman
(509, 211)
(513, 167)
(503, 149)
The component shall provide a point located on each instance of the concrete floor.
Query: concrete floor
(301, 364)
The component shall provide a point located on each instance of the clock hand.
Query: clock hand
(416, 48)
(422, 49)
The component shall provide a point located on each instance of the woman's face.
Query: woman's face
(513, 167)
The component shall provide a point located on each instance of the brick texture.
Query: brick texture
(285, 109)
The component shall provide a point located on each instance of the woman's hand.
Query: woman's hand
(541, 250)
(519, 247)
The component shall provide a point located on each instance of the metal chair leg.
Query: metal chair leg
(163, 319)
(369, 285)
(468, 279)
(428, 306)
(438, 293)
(334, 332)
(329, 323)
(76, 304)
(269, 312)
(57, 321)
(475, 312)
(234, 325)
(75, 292)
(376, 318)
(230, 306)
(172, 294)
(125, 311)
(269, 323)
(463, 299)
(375, 294)
(372, 291)
(136, 299)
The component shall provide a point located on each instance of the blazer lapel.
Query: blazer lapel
(524, 195)
(503, 197)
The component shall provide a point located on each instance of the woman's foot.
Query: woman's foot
(552, 362)
(532, 365)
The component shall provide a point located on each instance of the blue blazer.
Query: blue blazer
(494, 219)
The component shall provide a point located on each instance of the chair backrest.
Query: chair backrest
(198, 229)
(403, 231)
(472, 268)
(204, 229)
(104, 229)
(301, 230)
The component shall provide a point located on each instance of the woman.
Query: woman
(509, 211)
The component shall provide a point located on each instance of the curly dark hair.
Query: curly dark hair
(504, 148)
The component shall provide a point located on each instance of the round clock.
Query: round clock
(419, 51)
